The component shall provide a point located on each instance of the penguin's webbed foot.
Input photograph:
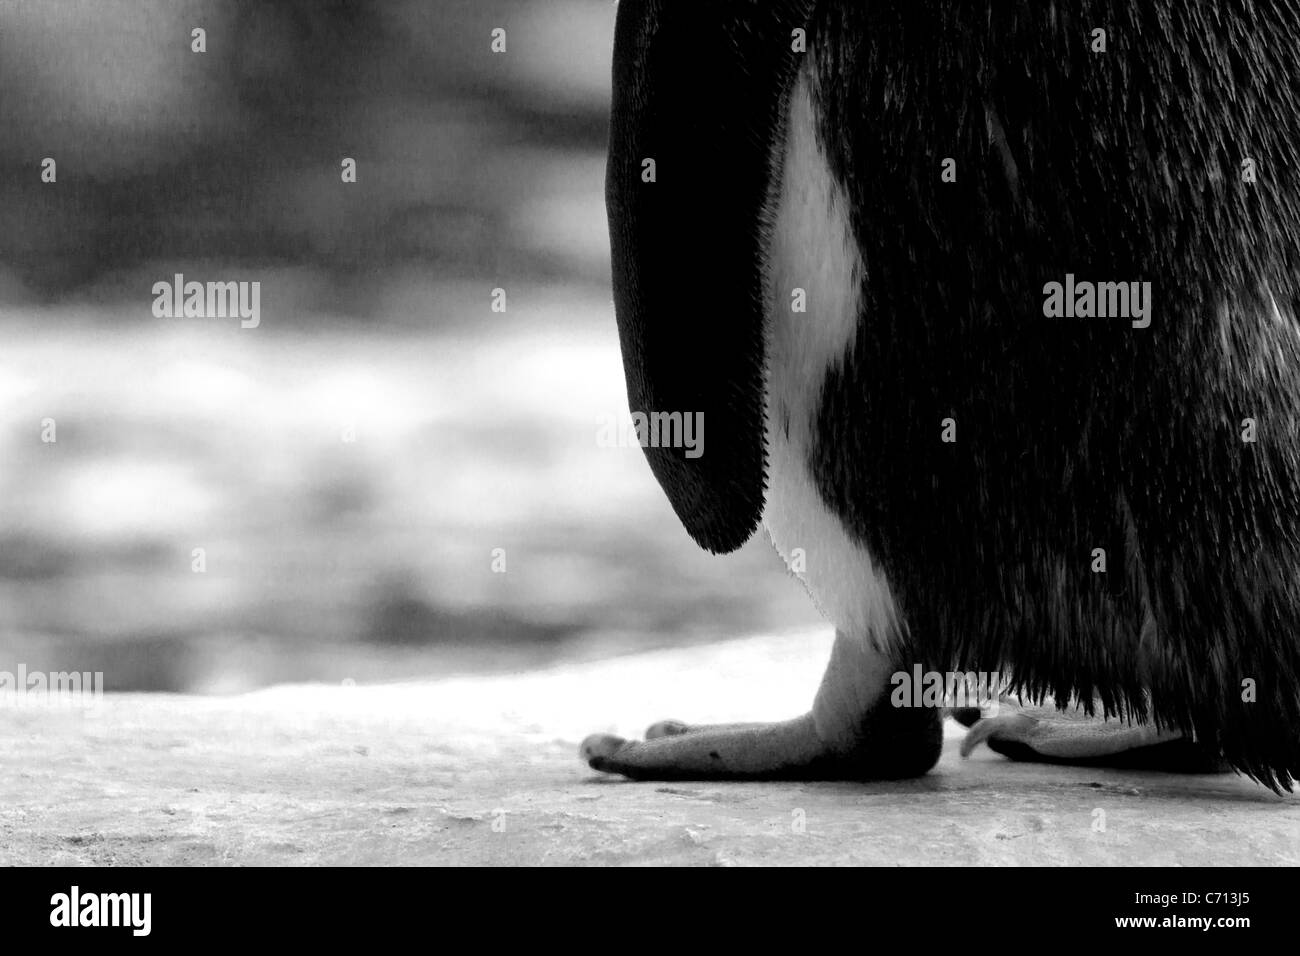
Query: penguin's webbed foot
(888, 744)
(673, 750)
(852, 733)
(1046, 734)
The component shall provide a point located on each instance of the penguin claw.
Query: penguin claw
(666, 728)
(598, 749)
(1013, 728)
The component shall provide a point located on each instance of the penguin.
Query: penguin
(840, 232)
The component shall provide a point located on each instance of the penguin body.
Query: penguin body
(972, 482)
(811, 248)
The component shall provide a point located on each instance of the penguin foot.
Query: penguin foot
(1046, 734)
(852, 733)
(674, 750)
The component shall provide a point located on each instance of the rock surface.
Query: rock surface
(482, 770)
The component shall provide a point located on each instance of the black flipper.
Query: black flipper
(699, 88)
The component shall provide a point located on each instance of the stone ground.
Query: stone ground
(482, 770)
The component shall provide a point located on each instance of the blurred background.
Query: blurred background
(354, 467)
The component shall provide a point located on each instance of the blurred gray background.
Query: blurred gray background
(326, 559)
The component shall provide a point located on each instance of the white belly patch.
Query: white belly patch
(812, 248)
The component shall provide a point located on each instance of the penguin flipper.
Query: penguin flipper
(697, 117)
(1045, 734)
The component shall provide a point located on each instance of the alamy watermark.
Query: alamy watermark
(919, 688)
(75, 908)
(653, 430)
(74, 690)
(208, 300)
(1098, 300)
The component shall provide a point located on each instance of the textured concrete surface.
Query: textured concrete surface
(482, 770)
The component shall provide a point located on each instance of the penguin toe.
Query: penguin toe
(1070, 735)
(666, 728)
(1008, 729)
(597, 749)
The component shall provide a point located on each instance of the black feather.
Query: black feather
(1075, 434)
